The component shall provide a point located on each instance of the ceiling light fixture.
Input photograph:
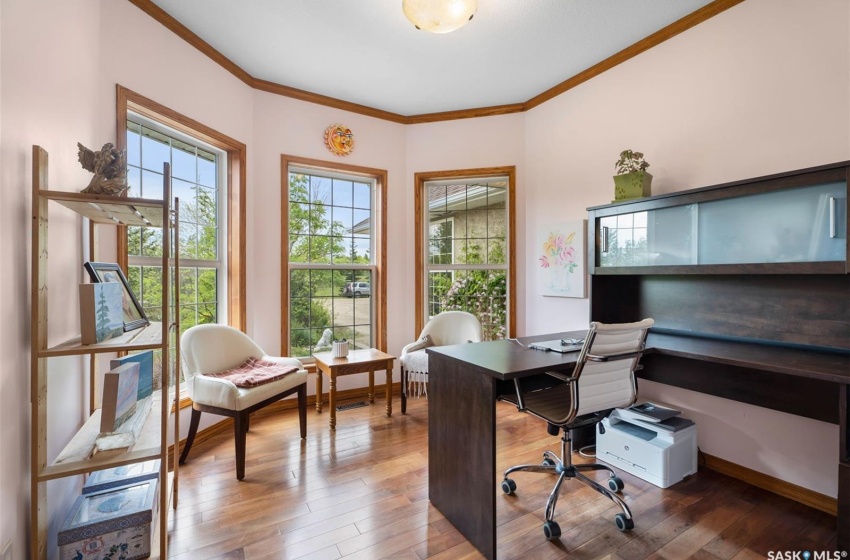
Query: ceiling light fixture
(439, 16)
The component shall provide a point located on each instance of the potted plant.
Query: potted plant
(632, 180)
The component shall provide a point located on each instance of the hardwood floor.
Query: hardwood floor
(362, 493)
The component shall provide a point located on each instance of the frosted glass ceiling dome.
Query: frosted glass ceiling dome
(439, 16)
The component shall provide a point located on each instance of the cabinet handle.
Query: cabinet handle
(832, 217)
(605, 239)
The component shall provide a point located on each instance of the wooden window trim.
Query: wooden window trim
(126, 101)
(380, 217)
(419, 180)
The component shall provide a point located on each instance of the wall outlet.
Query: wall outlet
(7, 551)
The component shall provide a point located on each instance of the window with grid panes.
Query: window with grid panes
(331, 260)
(466, 264)
(196, 172)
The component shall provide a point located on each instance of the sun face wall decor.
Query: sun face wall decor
(339, 139)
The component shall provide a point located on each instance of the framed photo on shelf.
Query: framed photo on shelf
(134, 315)
(101, 316)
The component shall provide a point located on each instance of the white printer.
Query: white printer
(650, 441)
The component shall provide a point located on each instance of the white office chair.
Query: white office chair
(603, 379)
(214, 348)
(444, 329)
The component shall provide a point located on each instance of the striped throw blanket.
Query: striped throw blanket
(254, 372)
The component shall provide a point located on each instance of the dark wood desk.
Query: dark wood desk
(465, 381)
(805, 382)
(738, 325)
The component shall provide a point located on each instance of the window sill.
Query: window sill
(184, 401)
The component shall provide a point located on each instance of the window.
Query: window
(441, 251)
(196, 175)
(333, 258)
(208, 175)
(465, 250)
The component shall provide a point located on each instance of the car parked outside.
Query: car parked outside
(357, 289)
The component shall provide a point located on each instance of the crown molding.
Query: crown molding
(304, 95)
(466, 113)
(695, 18)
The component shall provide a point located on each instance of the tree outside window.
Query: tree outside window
(331, 270)
(195, 171)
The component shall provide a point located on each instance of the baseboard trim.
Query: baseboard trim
(285, 404)
(772, 484)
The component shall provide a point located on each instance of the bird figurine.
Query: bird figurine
(109, 167)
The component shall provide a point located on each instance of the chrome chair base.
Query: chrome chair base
(564, 468)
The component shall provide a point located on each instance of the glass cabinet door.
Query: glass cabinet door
(666, 236)
(795, 225)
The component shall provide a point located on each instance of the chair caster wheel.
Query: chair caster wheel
(552, 530)
(508, 486)
(615, 484)
(623, 522)
(548, 462)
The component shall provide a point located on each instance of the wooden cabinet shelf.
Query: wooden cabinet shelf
(76, 459)
(117, 211)
(824, 267)
(832, 366)
(146, 338)
(151, 438)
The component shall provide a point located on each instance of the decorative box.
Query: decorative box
(116, 523)
(126, 475)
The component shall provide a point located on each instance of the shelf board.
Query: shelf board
(830, 366)
(74, 460)
(146, 338)
(114, 210)
(814, 267)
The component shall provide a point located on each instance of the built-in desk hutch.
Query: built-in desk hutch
(749, 288)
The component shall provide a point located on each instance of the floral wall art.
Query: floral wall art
(561, 259)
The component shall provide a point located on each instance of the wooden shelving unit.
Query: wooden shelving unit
(152, 442)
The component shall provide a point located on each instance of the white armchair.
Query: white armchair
(210, 349)
(449, 327)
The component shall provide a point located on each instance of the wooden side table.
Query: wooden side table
(357, 361)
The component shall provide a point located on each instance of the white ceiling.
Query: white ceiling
(366, 52)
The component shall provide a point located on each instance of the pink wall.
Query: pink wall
(49, 98)
(60, 64)
(295, 128)
(761, 88)
(465, 144)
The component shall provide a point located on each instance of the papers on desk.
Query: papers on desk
(651, 412)
(655, 416)
(562, 345)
